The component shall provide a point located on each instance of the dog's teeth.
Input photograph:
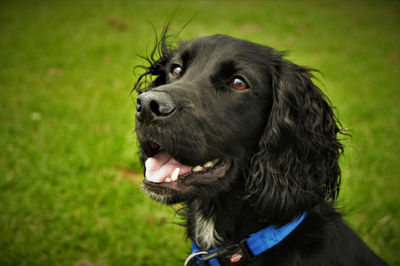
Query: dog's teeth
(174, 175)
(168, 180)
(209, 164)
(197, 168)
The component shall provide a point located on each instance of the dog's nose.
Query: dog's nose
(153, 105)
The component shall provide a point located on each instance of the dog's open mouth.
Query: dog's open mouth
(164, 171)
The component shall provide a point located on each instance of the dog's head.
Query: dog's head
(223, 113)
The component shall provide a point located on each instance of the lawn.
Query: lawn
(69, 170)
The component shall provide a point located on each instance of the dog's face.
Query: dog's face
(204, 115)
(224, 114)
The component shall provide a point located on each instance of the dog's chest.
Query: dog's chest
(205, 233)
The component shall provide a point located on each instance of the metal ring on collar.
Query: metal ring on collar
(193, 255)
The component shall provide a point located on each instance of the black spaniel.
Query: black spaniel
(245, 139)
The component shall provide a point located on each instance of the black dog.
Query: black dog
(250, 145)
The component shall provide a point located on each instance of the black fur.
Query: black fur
(277, 139)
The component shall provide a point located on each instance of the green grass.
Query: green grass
(69, 182)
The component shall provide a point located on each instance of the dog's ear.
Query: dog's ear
(296, 167)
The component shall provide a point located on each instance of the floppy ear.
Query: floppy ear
(296, 167)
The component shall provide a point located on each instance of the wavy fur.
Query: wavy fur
(296, 167)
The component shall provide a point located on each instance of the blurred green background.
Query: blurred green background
(69, 172)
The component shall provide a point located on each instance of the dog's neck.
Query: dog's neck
(223, 219)
(204, 232)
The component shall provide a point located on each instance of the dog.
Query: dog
(250, 145)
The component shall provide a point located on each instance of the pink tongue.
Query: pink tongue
(161, 166)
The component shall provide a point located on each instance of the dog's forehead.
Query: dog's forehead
(220, 56)
(221, 47)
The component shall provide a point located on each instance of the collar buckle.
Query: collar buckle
(231, 254)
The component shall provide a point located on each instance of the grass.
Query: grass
(69, 172)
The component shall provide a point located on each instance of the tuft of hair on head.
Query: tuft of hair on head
(155, 61)
(160, 54)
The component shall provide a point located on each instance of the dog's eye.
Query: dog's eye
(176, 71)
(238, 84)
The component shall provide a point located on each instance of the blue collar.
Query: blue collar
(254, 245)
